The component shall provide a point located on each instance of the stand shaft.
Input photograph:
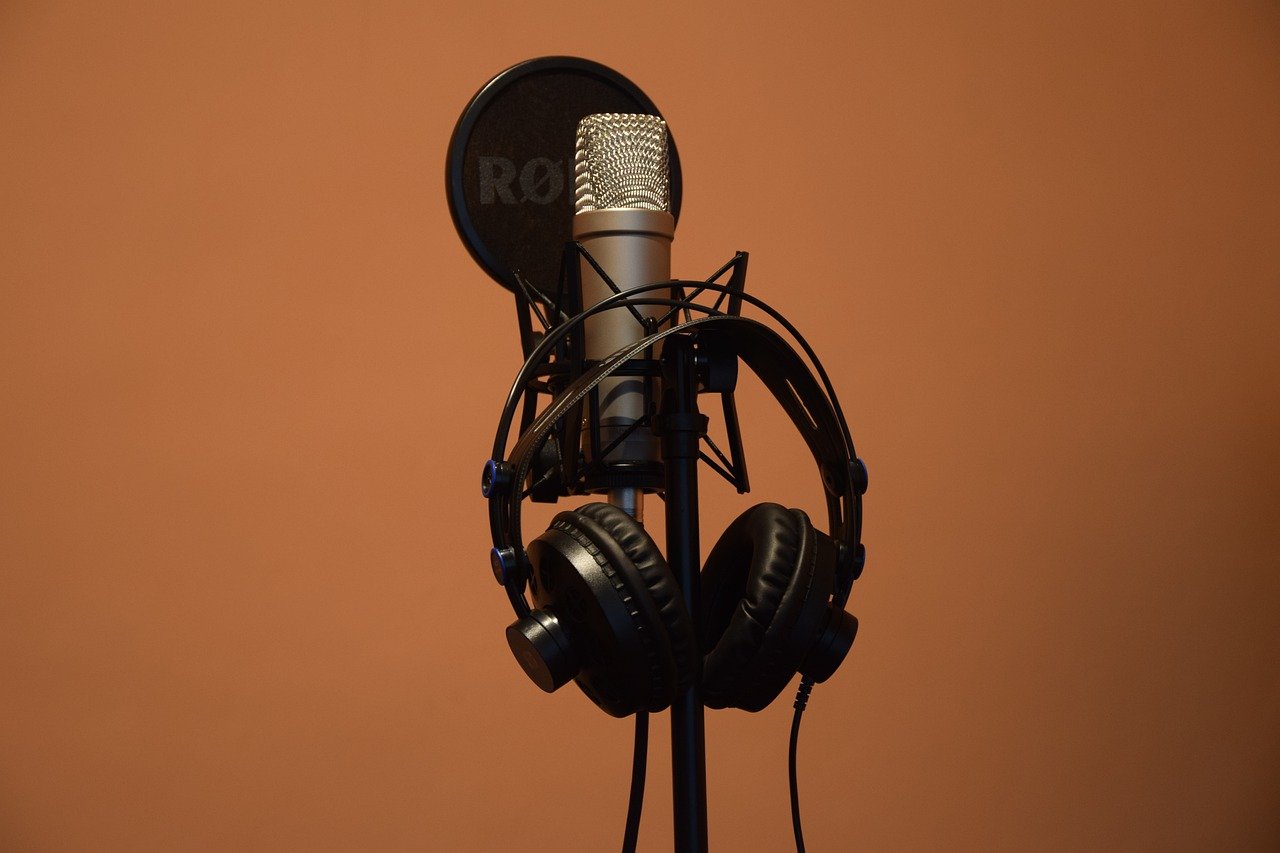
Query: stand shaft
(681, 428)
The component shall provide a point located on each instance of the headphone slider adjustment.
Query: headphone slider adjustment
(859, 474)
(495, 478)
(503, 562)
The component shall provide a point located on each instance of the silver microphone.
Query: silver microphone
(622, 217)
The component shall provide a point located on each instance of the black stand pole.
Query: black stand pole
(681, 427)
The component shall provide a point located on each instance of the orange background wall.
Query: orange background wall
(247, 390)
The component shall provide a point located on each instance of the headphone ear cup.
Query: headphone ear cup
(764, 592)
(616, 610)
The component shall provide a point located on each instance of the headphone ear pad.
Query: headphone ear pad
(643, 655)
(661, 585)
(763, 597)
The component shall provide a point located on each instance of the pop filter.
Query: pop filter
(509, 170)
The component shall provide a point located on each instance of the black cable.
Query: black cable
(639, 764)
(802, 699)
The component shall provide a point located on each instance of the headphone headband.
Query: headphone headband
(811, 407)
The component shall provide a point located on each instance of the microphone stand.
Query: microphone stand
(681, 427)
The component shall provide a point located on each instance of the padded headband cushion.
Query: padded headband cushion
(643, 554)
(756, 584)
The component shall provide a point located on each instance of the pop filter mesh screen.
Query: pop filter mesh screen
(510, 164)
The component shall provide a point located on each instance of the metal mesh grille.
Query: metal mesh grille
(620, 160)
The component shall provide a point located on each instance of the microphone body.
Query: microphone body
(624, 222)
(633, 246)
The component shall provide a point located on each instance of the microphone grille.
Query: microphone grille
(620, 160)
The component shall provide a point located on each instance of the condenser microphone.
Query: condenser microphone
(622, 218)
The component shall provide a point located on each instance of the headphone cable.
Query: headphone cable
(639, 765)
(802, 699)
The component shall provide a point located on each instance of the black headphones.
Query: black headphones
(609, 614)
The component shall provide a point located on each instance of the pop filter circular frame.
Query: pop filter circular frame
(509, 170)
